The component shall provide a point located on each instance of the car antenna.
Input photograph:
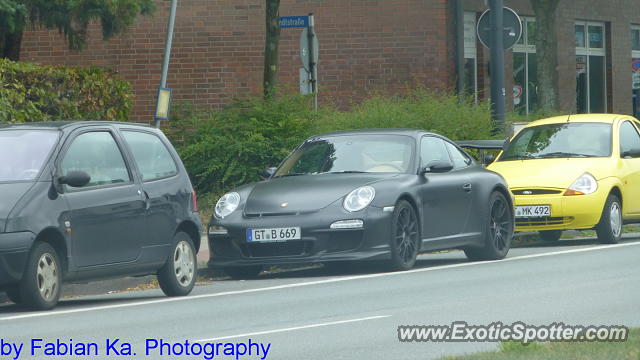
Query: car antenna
(569, 117)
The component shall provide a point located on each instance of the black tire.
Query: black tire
(609, 229)
(243, 272)
(405, 237)
(13, 293)
(41, 282)
(179, 275)
(498, 231)
(550, 235)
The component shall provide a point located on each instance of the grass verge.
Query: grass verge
(627, 350)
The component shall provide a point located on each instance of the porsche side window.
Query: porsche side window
(151, 155)
(97, 154)
(433, 149)
(460, 160)
(629, 140)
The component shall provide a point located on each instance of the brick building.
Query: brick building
(366, 46)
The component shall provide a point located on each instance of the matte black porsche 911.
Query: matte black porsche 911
(364, 195)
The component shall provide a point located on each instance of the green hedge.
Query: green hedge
(30, 92)
(226, 148)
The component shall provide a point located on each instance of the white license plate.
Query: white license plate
(273, 234)
(533, 211)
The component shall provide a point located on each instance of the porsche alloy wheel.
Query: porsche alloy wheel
(498, 232)
(405, 237)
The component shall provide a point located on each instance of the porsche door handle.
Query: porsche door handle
(467, 187)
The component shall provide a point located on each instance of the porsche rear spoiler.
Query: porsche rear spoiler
(482, 144)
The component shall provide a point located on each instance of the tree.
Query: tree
(546, 53)
(271, 47)
(70, 17)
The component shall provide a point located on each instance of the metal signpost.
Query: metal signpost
(499, 31)
(163, 101)
(309, 53)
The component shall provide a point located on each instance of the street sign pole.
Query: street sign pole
(313, 68)
(497, 63)
(167, 53)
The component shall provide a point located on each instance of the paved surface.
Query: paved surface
(316, 314)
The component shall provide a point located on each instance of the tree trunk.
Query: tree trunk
(546, 53)
(10, 46)
(271, 47)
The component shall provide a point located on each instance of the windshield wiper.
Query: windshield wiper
(560, 154)
(519, 157)
(290, 174)
(345, 172)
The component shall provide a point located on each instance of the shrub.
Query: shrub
(419, 109)
(226, 148)
(30, 92)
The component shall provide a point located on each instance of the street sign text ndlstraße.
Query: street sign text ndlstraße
(294, 21)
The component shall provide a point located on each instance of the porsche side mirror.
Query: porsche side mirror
(438, 166)
(75, 179)
(268, 173)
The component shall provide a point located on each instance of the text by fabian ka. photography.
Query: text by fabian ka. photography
(118, 348)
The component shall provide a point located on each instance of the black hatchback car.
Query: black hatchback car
(88, 200)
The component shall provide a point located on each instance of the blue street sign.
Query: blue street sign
(294, 21)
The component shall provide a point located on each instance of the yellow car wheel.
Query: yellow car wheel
(609, 229)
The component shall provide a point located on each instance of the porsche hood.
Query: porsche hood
(305, 193)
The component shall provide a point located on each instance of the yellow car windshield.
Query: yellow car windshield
(563, 140)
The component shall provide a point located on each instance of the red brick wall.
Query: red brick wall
(366, 46)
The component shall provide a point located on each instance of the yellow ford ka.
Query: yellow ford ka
(574, 172)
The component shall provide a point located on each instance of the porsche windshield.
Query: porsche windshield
(565, 140)
(23, 152)
(351, 154)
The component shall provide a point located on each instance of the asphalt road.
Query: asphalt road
(318, 314)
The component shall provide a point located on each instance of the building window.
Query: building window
(635, 69)
(590, 67)
(470, 55)
(525, 73)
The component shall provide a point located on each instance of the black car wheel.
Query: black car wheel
(550, 235)
(39, 288)
(243, 272)
(178, 276)
(405, 237)
(609, 229)
(498, 232)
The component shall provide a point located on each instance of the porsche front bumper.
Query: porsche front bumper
(318, 243)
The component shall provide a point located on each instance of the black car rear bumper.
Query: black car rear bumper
(14, 252)
(318, 243)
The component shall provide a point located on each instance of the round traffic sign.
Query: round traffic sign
(511, 32)
(304, 49)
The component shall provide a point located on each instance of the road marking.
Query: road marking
(294, 328)
(310, 283)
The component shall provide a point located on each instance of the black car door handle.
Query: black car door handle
(466, 187)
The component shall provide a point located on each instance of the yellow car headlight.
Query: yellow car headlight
(585, 184)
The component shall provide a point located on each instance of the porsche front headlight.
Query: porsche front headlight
(585, 184)
(227, 204)
(359, 198)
